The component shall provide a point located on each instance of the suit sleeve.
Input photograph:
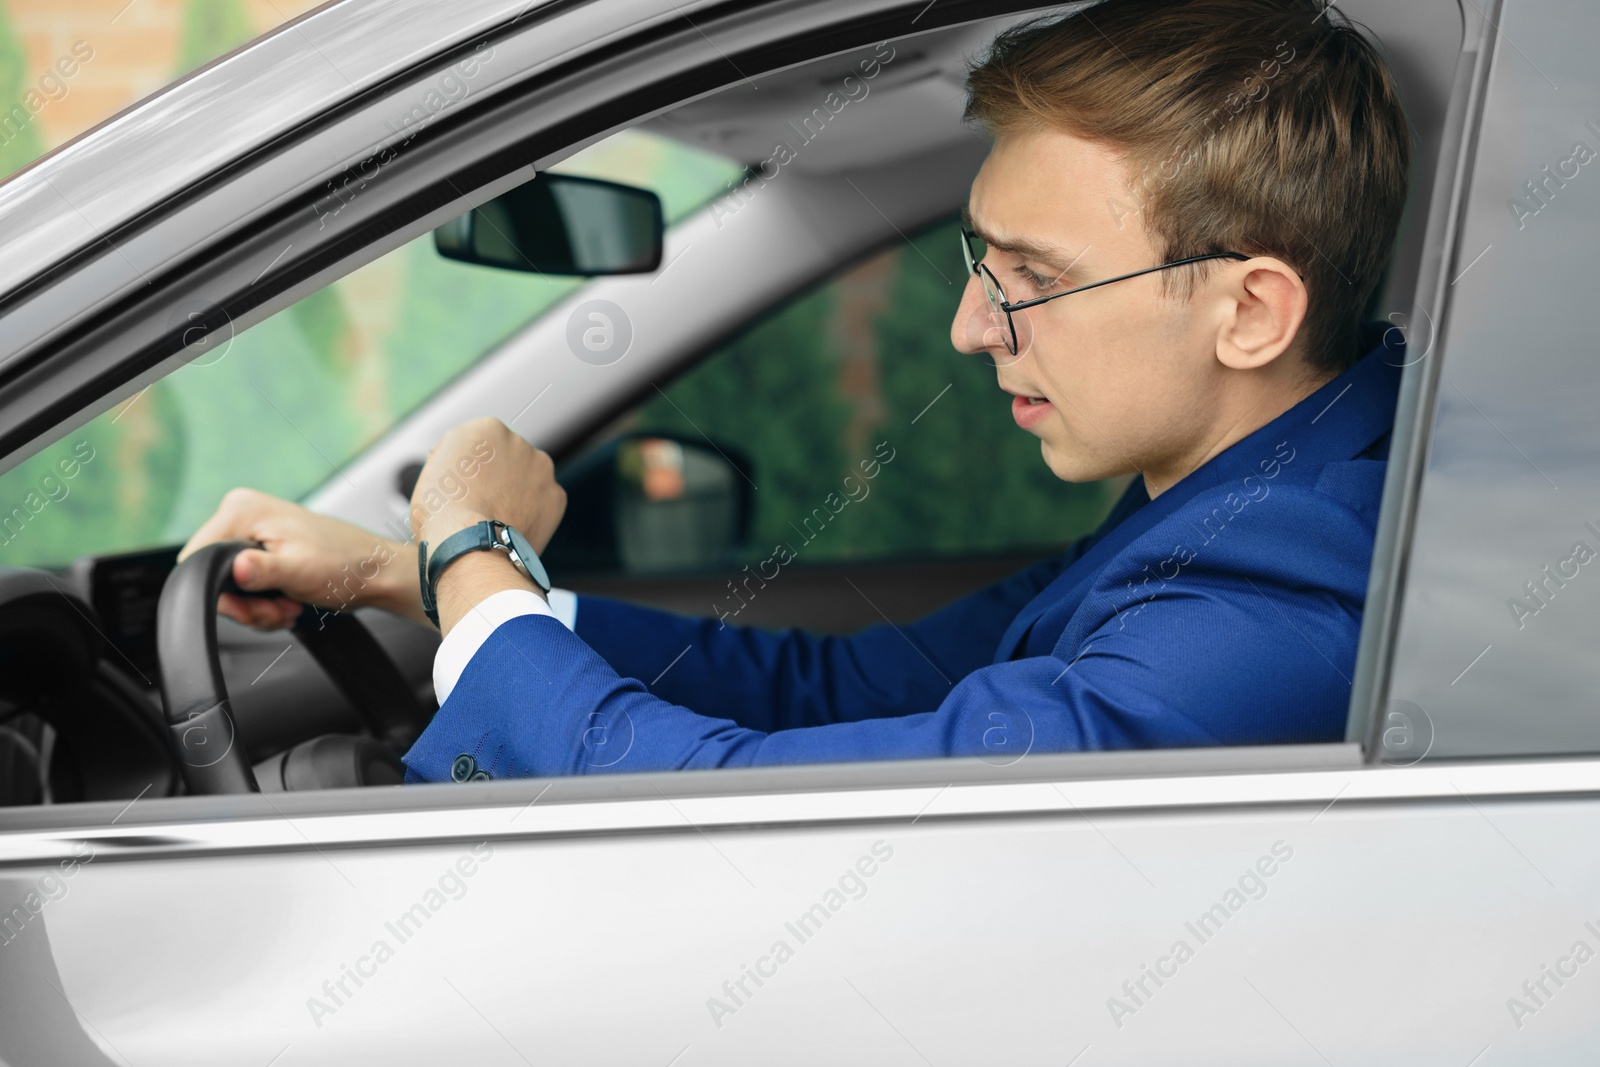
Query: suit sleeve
(1250, 641)
(781, 681)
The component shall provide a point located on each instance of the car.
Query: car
(1417, 892)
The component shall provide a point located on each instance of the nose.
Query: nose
(977, 329)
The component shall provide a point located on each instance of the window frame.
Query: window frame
(1414, 412)
(93, 361)
(1495, 729)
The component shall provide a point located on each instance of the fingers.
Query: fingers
(232, 606)
(279, 612)
(234, 520)
(274, 613)
(254, 569)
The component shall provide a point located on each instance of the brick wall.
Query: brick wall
(136, 50)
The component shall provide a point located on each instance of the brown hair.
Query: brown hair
(1256, 126)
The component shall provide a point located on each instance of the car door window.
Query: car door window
(860, 370)
(1495, 651)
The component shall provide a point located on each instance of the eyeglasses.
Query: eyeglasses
(998, 305)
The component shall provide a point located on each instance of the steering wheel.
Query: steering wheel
(194, 696)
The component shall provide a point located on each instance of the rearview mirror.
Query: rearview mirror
(560, 224)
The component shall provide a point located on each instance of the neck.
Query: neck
(1241, 412)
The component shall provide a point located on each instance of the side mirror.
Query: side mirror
(652, 503)
(560, 224)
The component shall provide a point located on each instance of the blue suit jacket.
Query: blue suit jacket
(1224, 612)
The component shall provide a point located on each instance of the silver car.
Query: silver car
(1427, 891)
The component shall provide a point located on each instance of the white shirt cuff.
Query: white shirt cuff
(468, 635)
(564, 604)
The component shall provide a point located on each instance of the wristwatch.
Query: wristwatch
(479, 536)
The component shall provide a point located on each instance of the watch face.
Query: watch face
(527, 558)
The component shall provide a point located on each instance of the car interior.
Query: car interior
(677, 452)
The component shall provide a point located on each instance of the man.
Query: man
(1186, 208)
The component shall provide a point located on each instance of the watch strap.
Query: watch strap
(431, 565)
(480, 536)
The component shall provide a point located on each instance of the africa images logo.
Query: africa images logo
(599, 332)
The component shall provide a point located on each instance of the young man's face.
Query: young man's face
(1112, 380)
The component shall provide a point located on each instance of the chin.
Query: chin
(1063, 464)
(1074, 465)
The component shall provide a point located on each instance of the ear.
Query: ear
(1263, 304)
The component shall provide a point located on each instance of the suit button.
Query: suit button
(465, 768)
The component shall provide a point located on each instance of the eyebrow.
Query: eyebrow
(1046, 253)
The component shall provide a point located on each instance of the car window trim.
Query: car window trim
(669, 803)
(1409, 444)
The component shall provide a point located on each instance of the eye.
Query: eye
(1039, 281)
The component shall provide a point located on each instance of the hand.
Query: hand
(483, 470)
(311, 558)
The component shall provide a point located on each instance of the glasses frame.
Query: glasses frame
(996, 294)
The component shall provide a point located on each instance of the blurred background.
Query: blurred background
(138, 47)
(804, 394)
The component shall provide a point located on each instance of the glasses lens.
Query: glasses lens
(974, 250)
(991, 289)
(971, 251)
(999, 318)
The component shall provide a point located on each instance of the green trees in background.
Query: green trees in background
(323, 322)
(211, 28)
(19, 143)
(117, 467)
(769, 393)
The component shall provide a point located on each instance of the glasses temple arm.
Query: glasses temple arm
(1008, 308)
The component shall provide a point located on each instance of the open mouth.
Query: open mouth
(1027, 410)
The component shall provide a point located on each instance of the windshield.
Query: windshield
(283, 406)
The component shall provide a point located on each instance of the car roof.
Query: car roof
(916, 105)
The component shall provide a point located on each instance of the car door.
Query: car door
(1380, 901)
